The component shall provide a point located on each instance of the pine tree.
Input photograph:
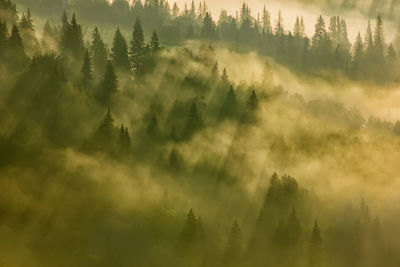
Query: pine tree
(230, 107)
(109, 86)
(15, 49)
(137, 51)
(279, 31)
(293, 229)
(208, 27)
(26, 21)
(252, 101)
(224, 77)
(86, 72)
(189, 231)
(75, 42)
(233, 249)
(315, 246)
(124, 139)
(266, 21)
(154, 44)
(104, 135)
(357, 62)
(297, 28)
(194, 121)
(119, 52)
(99, 53)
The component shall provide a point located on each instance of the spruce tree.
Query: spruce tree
(208, 27)
(86, 72)
(358, 54)
(189, 231)
(137, 51)
(252, 102)
(155, 44)
(109, 86)
(119, 52)
(229, 109)
(99, 53)
(315, 247)
(233, 249)
(15, 49)
(104, 136)
(194, 121)
(224, 77)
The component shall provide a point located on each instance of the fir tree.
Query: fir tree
(229, 109)
(119, 52)
(15, 49)
(109, 86)
(155, 44)
(315, 246)
(189, 232)
(233, 249)
(224, 77)
(99, 53)
(208, 27)
(137, 51)
(104, 135)
(252, 101)
(86, 72)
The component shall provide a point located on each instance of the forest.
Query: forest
(148, 134)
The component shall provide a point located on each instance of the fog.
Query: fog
(173, 147)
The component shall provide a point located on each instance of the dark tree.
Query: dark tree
(119, 52)
(208, 28)
(86, 72)
(109, 86)
(155, 44)
(233, 249)
(137, 51)
(99, 53)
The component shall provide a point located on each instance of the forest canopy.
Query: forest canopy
(141, 134)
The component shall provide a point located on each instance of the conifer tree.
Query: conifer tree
(155, 44)
(208, 27)
(315, 246)
(104, 135)
(357, 62)
(109, 86)
(99, 53)
(119, 52)
(279, 31)
(75, 42)
(86, 72)
(252, 102)
(224, 77)
(137, 51)
(15, 49)
(194, 121)
(230, 107)
(233, 249)
(189, 231)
